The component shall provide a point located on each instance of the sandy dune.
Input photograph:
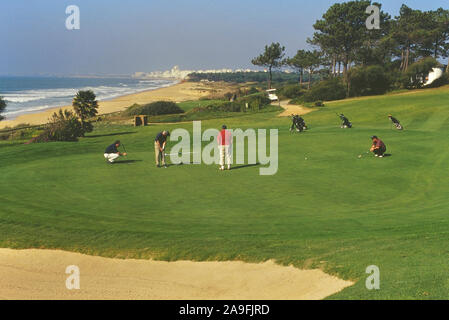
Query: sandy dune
(40, 274)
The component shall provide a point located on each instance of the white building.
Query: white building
(177, 73)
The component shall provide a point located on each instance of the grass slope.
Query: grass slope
(332, 211)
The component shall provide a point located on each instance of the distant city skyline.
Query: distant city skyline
(121, 38)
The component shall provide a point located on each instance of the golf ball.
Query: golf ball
(360, 156)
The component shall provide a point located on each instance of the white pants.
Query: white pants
(225, 151)
(111, 156)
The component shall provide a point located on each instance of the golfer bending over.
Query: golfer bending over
(159, 147)
(225, 146)
(378, 147)
(111, 153)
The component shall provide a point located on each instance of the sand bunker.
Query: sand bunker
(293, 109)
(40, 274)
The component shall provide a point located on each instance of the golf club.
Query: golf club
(124, 149)
(179, 153)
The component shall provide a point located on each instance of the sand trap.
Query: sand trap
(293, 109)
(40, 274)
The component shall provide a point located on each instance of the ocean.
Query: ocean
(34, 94)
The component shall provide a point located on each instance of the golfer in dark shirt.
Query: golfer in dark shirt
(378, 147)
(111, 153)
(159, 147)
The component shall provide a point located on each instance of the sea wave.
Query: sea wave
(34, 100)
(27, 110)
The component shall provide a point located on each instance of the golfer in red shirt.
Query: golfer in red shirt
(225, 147)
(378, 147)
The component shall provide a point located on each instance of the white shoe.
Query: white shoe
(376, 155)
(381, 156)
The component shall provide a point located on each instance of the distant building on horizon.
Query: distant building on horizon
(177, 73)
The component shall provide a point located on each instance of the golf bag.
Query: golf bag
(396, 123)
(346, 124)
(298, 124)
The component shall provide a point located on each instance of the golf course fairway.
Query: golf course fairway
(325, 208)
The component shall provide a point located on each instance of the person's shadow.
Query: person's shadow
(127, 161)
(245, 166)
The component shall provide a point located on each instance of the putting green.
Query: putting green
(333, 211)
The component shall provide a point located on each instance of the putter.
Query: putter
(179, 154)
(124, 149)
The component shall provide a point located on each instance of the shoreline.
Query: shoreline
(178, 92)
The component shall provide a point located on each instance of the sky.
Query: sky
(123, 37)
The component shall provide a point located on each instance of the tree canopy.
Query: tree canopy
(272, 57)
(85, 106)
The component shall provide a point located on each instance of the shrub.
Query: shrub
(154, 109)
(63, 126)
(291, 91)
(252, 90)
(255, 101)
(297, 101)
(326, 90)
(369, 80)
(215, 107)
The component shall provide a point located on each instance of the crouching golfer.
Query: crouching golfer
(225, 146)
(378, 147)
(111, 153)
(159, 147)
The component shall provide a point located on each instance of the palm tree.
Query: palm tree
(2, 107)
(85, 107)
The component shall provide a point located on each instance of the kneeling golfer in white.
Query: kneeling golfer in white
(111, 153)
(225, 146)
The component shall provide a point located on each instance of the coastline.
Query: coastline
(182, 91)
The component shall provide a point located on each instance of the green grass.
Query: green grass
(333, 211)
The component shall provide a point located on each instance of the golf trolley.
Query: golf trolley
(346, 124)
(298, 124)
(396, 123)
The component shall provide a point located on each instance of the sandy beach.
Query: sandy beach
(183, 91)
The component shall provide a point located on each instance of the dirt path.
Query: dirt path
(40, 274)
(293, 109)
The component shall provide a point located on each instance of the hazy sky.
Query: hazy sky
(121, 37)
